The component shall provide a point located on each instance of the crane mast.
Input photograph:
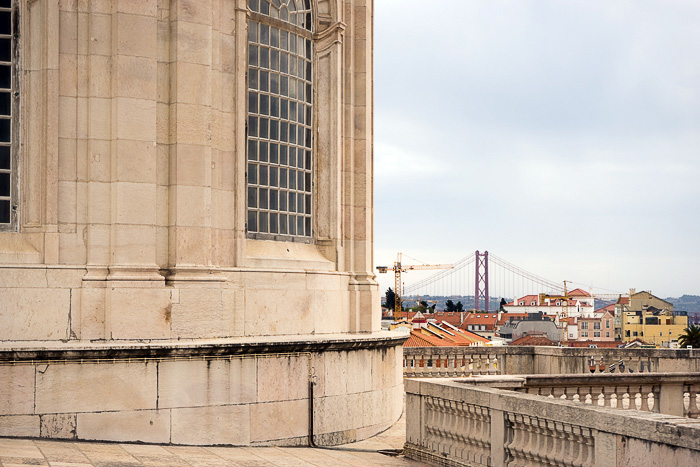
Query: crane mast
(398, 268)
(564, 315)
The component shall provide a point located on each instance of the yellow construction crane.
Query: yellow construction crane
(398, 268)
(564, 313)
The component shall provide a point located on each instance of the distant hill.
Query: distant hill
(689, 303)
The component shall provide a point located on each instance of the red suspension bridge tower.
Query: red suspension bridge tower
(481, 275)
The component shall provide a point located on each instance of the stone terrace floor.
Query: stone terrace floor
(23, 452)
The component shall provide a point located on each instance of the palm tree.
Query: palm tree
(690, 337)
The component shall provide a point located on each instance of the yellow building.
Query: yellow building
(649, 318)
(653, 327)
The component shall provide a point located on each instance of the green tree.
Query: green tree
(390, 298)
(450, 306)
(690, 337)
(459, 307)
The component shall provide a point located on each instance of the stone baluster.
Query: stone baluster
(559, 393)
(620, 393)
(693, 410)
(645, 391)
(492, 364)
(607, 395)
(572, 393)
(586, 447)
(463, 430)
(584, 394)
(477, 364)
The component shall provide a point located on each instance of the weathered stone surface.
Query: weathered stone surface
(16, 389)
(20, 425)
(212, 425)
(279, 420)
(147, 426)
(95, 387)
(61, 426)
(284, 377)
(34, 314)
(134, 313)
(207, 382)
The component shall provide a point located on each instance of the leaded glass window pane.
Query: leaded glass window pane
(8, 98)
(280, 100)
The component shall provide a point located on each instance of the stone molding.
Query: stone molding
(16, 353)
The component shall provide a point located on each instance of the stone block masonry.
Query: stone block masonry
(216, 393)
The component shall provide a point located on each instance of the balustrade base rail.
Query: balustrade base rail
(494, 421)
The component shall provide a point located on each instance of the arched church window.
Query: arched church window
(280, 120)
(8, 127)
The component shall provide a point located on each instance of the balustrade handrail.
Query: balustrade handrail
(608, 379)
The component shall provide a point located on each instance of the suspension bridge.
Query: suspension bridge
(484, 275)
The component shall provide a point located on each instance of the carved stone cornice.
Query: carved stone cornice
(331, 35)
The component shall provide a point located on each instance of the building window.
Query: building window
(596, 325)
(596, 334)
(584, 334)
(280, 120)
(607, 324)
(8, 110)
(584, 325)
(607, 333)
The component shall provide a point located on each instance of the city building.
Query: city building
(534, 323)
(597, 328)
(186, 223)
(649, 318)
(581, 303)
(485, 324)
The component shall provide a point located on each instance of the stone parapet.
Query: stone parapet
(209, 392)
(453, 423)
(466, 361)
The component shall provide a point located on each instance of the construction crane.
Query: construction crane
(398, 268)
(564, 315)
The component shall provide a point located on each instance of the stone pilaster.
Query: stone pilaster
(191, 163)
(133, 140)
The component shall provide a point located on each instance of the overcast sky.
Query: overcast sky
(561, 136)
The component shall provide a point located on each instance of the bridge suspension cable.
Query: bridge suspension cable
(526, 274)
(516, 275)
(462, 263)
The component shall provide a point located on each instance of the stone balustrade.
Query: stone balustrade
(497, 420)
(451, 362)
(669, 393)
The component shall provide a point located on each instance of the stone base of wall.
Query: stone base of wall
(214, 392)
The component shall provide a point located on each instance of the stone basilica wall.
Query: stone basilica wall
(130, 239)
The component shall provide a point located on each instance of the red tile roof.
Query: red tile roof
(531, 339)
(579, 293)
(433, 336)
(610, 308)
